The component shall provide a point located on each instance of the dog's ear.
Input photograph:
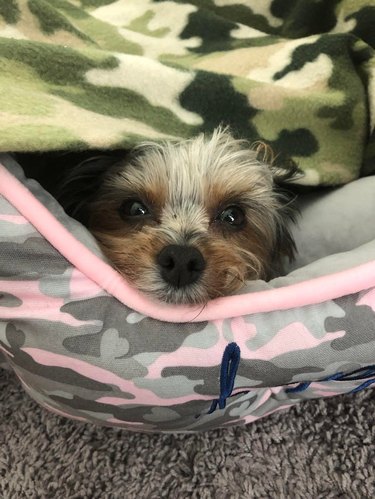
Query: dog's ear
(81, 183)
(284, 170)
(285, 173)
(283, 178)
(287, 215)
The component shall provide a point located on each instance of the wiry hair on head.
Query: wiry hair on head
(214, 195)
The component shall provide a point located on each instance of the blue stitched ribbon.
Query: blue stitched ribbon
(229, 366)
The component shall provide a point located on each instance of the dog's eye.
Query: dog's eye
(133, 208)
(232, 215)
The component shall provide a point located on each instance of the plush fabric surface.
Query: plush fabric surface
(299, 75)
(84, 352)
(334, 221)
(319, 449)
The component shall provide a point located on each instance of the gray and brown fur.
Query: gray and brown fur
(185, 185)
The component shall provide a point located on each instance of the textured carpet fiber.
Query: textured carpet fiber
(321, 449)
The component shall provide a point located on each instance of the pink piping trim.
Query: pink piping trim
(309, 292)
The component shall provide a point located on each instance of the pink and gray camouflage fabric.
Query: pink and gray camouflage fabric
(86, 346)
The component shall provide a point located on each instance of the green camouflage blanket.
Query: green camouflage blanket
(296, 74)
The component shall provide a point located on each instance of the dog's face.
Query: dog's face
(190, 221)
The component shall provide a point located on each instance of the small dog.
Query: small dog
(187, 221)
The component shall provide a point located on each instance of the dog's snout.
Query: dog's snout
(180, 265)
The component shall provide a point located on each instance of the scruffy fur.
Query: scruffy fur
(186, 185)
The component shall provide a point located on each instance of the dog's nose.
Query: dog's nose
(180, 265)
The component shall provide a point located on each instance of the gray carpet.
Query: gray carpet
(321, 449)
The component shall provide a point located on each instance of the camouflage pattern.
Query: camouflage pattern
(81, 353)
(299, 75)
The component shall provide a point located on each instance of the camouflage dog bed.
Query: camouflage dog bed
(86, 345)
(102, 74)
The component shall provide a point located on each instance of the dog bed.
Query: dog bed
(85, 344)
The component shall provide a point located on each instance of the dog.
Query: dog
(187, 221)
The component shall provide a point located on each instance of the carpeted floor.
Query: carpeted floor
(321, 449)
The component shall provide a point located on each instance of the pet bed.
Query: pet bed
(85, 344)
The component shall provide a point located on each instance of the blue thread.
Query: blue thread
(363, 385)
(358, 374)
(334, 377)
(362, 373)
(229, 366)
(213, 407)
(301, 387)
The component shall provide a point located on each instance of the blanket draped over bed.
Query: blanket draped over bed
(297, 74)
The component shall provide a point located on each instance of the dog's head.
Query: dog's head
(186, 221)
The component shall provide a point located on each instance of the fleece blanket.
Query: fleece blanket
(297, 74)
